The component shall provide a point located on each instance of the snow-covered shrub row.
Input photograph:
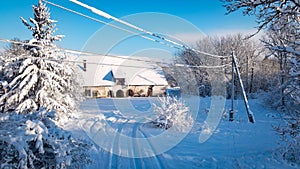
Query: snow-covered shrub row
(28, 141)
(172, 113)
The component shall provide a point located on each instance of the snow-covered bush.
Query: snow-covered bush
(270, 99)
(172, 113)
(26, 141)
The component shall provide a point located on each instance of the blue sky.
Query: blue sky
(207, 15)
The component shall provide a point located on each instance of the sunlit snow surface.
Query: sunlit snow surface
(237, 144)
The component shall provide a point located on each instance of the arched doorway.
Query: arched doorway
(130, 92)
(120, 93)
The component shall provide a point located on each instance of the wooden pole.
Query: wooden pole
(232, 89)
(250, 114)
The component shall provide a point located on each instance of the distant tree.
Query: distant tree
(196, 74)
(248, 53)
(266, 73)
(178, 74)
(15, 49)
(12, 54)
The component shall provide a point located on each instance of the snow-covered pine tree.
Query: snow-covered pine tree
(42, 80)
(39, 83)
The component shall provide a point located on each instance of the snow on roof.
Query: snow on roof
(133, 71)
(149, 77)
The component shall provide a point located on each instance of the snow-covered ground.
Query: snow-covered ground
(237, 144)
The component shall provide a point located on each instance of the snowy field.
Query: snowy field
(237, 144)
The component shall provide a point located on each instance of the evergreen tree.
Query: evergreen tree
(40, 79)
(40, 83)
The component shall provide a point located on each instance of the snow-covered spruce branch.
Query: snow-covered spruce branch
(28, 142)
(34, 73)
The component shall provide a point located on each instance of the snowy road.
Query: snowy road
(237, 144)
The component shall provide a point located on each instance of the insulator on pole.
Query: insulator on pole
(249, 113)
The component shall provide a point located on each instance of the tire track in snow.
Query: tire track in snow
(137, 162)
(91, 125)
(159, 160)
(113, 162)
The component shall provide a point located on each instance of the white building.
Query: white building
(121, 76)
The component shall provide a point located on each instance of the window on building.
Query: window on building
(87, 92)
(120, 81)
(95, 93)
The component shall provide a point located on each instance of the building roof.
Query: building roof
(134, 72)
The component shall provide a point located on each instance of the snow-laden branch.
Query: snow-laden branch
(286, 49)
(267, 12)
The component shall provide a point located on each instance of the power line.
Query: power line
(108, 24)
(71, 61)
(90, 53)
(104, 64)
(199, 66)
(80, 52)
(130, 66)
(113, 56)
(108, 55)
(142, 60)
(106, 15)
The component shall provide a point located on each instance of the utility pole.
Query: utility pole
(249, 113)
(232, 90)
